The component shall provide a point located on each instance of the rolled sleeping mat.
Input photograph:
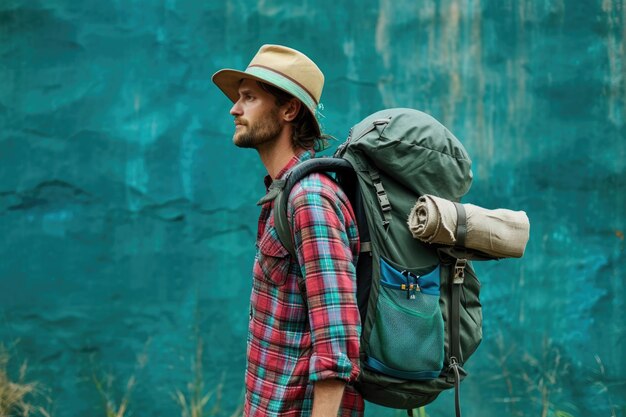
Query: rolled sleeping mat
(500, 233)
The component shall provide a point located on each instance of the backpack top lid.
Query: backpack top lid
(414, 149)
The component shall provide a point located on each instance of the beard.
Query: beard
(263, 131)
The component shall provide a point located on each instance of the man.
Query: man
(303, 343)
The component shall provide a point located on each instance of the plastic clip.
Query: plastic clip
(383, 200)
(411, 289)
(459, 271)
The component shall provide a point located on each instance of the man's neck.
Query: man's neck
(276, 155)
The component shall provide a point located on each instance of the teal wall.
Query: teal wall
(127, 217)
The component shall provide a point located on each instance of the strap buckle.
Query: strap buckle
(383, 200)
(459, 271)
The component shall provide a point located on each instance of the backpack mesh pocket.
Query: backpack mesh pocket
(407, 337)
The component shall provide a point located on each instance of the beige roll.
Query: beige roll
(500, 233)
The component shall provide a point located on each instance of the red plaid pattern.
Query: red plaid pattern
(292, 344)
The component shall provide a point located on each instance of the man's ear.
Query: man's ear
(291, 109)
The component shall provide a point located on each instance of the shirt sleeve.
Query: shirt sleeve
(326, 260)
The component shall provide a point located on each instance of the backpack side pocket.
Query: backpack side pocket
(407, 337)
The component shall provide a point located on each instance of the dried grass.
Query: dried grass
(16, 396)
(194, 402)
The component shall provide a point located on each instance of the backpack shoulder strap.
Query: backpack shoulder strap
(281, 221)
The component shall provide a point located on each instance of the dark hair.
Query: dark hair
(305, 127)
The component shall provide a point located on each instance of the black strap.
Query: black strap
(461, 224)
(457, 274)
(455, 322)
(275, 188)
(300, 171)
(457, 389)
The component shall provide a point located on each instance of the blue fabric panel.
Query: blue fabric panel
(392, 278)
(413, 376)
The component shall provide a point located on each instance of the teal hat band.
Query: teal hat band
(284, 83)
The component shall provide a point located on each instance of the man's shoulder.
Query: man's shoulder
(317, 183)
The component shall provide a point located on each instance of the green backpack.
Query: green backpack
(421, 315)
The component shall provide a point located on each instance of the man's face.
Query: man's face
(257, 120)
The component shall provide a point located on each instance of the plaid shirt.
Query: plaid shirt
(292, 344)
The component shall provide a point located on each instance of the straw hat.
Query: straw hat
(282, 67)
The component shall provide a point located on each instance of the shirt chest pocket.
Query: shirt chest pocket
(273, 261)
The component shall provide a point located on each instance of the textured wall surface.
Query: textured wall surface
(127, 217)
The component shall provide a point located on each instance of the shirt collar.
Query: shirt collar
(295, 160)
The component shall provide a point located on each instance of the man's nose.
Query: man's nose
(236, 109)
